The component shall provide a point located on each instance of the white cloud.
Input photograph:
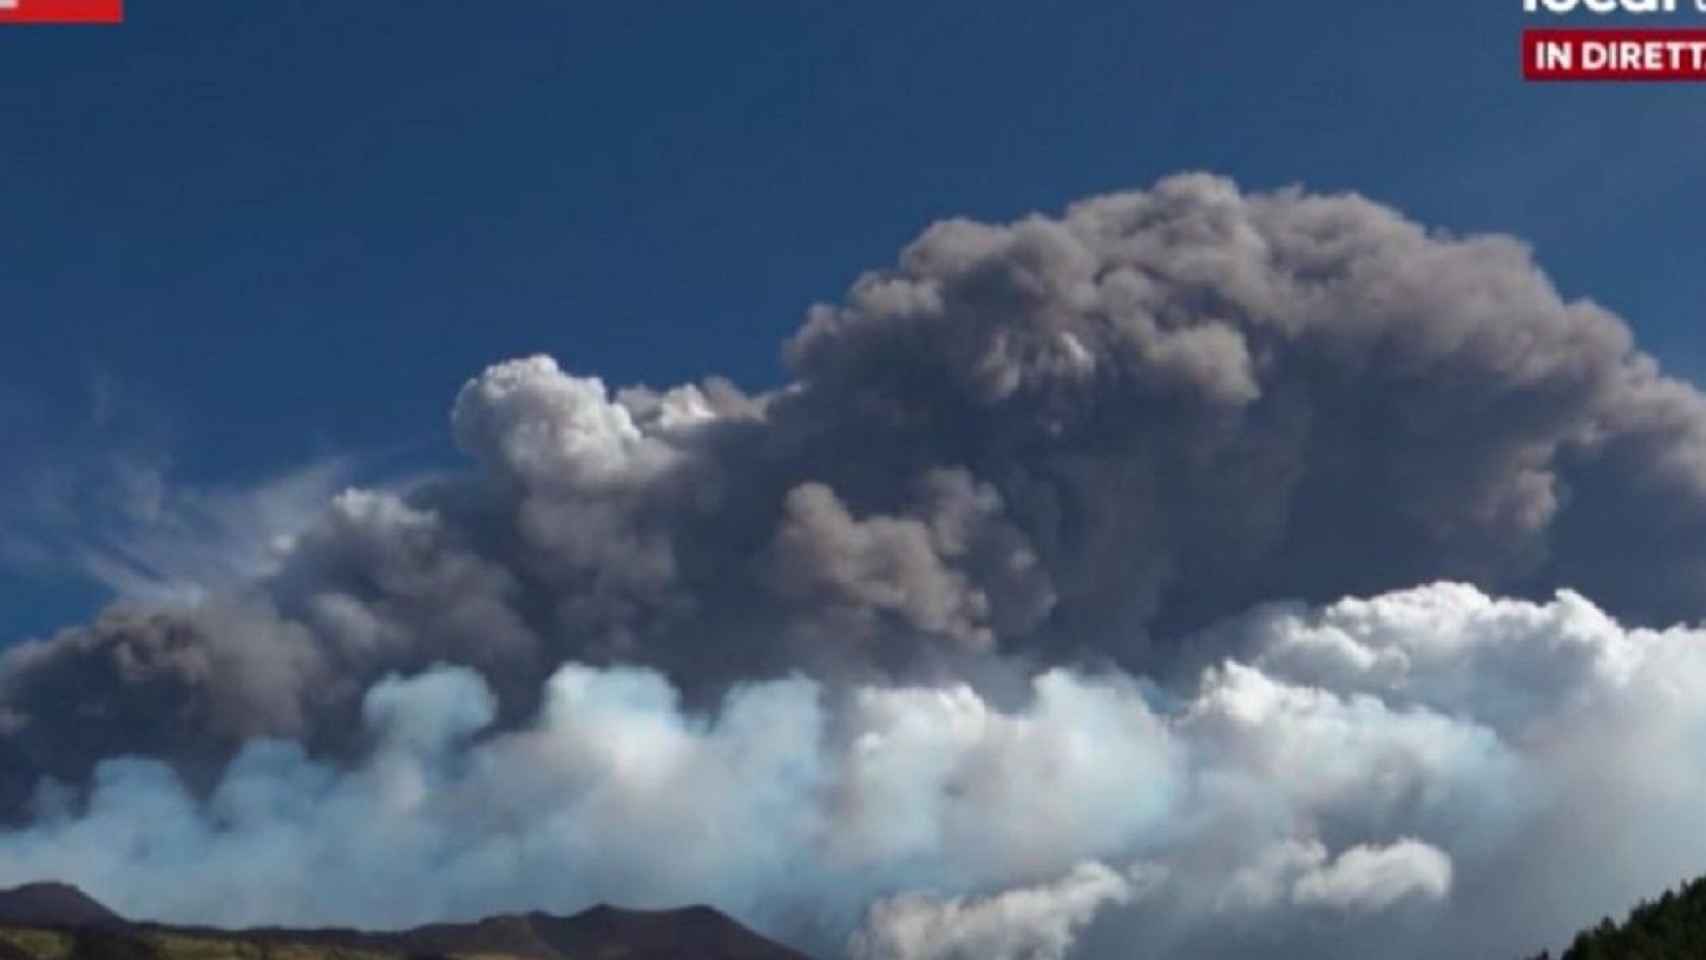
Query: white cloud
(1028, 923)
(1374, 877)
(1275, 796)
(529, 420)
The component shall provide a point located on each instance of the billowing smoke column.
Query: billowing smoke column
(1430, 772)
(958, 641)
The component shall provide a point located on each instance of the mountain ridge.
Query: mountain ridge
(86, 928)
(50, 903)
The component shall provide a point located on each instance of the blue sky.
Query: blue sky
(242, 237)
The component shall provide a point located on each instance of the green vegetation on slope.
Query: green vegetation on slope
(1673, 927)
(39, 944)
(179, 946)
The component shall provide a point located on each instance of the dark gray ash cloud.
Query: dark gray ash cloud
(1082, 439)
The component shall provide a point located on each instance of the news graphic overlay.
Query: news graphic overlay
(1614, 40)
(61, 11)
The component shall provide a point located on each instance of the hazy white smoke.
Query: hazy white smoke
(1367, 760)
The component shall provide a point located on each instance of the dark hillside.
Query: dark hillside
(657, 935)
(54, 905)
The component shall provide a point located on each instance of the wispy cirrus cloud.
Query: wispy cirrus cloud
(121, 520)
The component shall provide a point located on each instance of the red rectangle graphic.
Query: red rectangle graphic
(61, 11)
(1614, 55)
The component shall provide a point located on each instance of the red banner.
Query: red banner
(1615, 55)
(61, 11)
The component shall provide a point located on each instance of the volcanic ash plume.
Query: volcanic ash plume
(1011, 624)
